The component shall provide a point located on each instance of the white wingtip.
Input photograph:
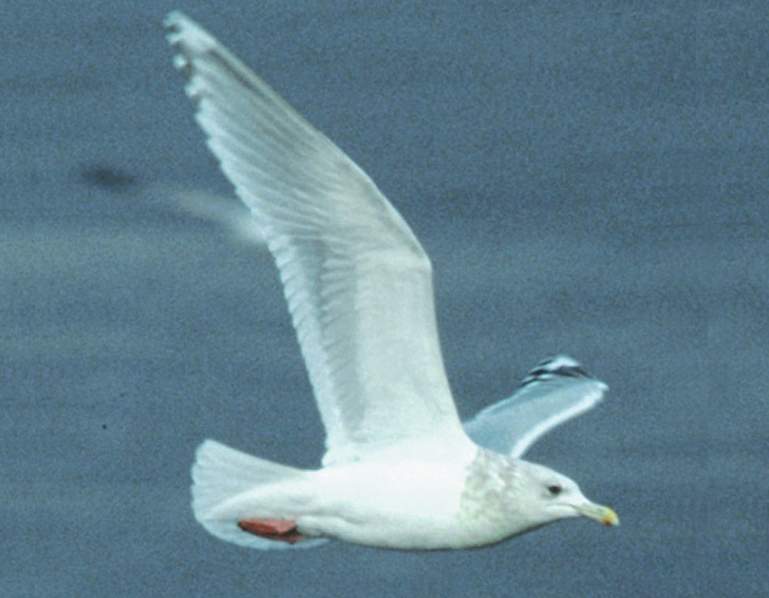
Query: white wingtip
(179, 25)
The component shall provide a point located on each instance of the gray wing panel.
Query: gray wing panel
(555, 391)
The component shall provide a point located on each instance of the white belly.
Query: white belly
(411, 505)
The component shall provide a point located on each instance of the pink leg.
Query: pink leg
(282, 530)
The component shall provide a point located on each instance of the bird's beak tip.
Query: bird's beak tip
(600, 513)
(610, 518)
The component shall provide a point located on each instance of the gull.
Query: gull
(400, 470)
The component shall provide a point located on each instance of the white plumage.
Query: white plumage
(399, 470)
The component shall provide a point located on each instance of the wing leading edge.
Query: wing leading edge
(357, 282)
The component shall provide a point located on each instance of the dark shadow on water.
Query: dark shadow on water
(106, 177)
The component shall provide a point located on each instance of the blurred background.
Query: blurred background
(589, 177)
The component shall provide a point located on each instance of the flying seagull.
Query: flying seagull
(400, 469)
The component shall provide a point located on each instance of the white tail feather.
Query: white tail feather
(219, 475)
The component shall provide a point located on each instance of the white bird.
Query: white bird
(400, 469)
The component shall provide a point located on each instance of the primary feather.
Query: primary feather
(357, 282)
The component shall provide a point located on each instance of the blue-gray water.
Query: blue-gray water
(589, 177)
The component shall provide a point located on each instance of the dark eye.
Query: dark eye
(554, 490)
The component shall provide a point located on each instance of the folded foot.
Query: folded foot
(282, 530)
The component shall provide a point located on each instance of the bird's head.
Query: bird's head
(548, 496)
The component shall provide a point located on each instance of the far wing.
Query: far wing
(357, 282)
(553, 392)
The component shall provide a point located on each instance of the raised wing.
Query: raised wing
(357, 282)
(553, 392)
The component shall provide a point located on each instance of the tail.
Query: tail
(219, 475)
